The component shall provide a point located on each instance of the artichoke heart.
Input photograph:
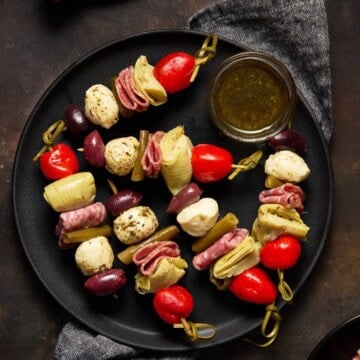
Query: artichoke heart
(71, 192)
(221, 284)
(146, 82)
(176, 162)
(274, 220)
(168, 272)
(236, 261)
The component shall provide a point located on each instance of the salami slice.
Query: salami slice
(288, 195)
(220, 247)
(88, 216)
(148, 256)
(151, 160)
(127, 93)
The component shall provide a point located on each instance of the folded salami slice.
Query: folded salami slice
(288, 195)
(151, 160)
(226, 243)
(88, 216)
(148, 256)
(127, 93)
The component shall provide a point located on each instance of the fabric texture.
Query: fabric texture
(296, 33)
(293, 31)
(77, 343)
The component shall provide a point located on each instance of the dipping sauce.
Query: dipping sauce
(251, 97)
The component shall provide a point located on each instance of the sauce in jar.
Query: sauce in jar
(250, 98)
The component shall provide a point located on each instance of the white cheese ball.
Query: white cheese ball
(197, 219)
(101, 107)
(288, 166)
(94, 255)
(135, 224)
(120, 155)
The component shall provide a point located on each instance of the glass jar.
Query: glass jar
(251, 97)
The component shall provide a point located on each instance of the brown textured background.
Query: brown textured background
(38, 44)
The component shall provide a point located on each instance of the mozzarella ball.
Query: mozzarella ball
(198, 218)
(94, 255)
(287, 166)
(120, 155)
(135, 224)
(101, 107)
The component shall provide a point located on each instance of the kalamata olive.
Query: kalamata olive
(123, 200)
(106, 283)
(288, 140)
(94, 149)
(186, 196)
(75, 120)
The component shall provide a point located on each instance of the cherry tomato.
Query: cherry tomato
(281, 253)
(210, 163)
(59, 162)
(173, 303)
(174, 71)
(254, 285)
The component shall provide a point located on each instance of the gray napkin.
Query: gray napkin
(77, 343)
(296, 33)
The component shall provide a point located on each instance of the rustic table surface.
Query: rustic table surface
(38, 44)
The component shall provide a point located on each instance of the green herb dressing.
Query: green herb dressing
(250, 97)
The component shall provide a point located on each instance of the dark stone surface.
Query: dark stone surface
(38, 43)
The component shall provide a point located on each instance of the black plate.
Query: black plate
(341, 343)
(131, 319)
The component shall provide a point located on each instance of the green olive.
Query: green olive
(126, 256)
(138, 172)
(224, 225)
(78, 236)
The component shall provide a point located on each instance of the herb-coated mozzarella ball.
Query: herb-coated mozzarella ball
(94, 255)
(120, 155)
(135, 224)
(101, 107)
(288, 166)
(198, 218)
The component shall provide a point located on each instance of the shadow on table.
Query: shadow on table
(58, 12)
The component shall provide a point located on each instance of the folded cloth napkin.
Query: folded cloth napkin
(77, 343)
(294, 31)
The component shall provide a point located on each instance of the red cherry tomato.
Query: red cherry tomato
(255, 286)
(281, 253)
(210, 163)
(174, 71)
(173, 303)
(59, 162)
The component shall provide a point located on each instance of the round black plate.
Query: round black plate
(341, 343)
(130, 318)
